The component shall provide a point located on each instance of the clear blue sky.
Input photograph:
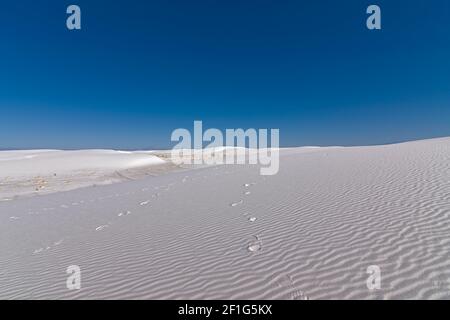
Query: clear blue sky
(139, 69)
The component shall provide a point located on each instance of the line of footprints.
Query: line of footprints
(101, 227)
(120, 214)
(256, 244)
(142, 203)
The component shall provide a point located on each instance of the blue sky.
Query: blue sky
(139, 69)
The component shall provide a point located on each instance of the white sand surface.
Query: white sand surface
(23, 163)
(36, 172)
(226, 232)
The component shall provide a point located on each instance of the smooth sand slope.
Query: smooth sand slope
(227, 232)
(37, 172)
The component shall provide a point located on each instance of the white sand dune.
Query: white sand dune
(27, 172)
(22, 163)
(226, 232)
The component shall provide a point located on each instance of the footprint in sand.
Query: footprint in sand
(299, 295)
(295, 293)
(166, 188)
(252, 219)
(255, 246)
(124, 213)
(234, 204)
(247, 185)
(63, 206)
(144, 203)
(38, 250)
(247, 193)
(41, 250)
(100, 228)
(14, 218)
(57, 243)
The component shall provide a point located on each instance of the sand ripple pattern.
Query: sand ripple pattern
(315, 228)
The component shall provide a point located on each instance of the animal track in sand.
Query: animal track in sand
(234, 204)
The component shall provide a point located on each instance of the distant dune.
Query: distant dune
(226, 232)
(37, 172)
